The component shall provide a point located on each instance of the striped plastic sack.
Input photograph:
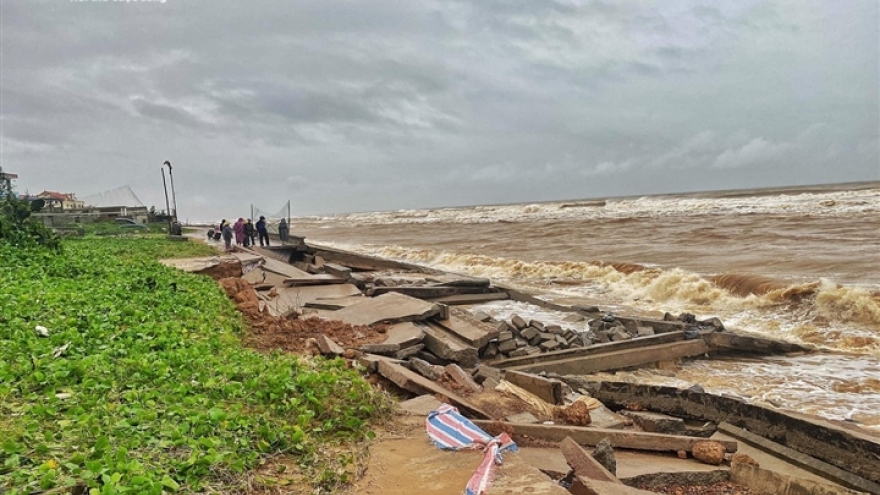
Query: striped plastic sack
(451, 431)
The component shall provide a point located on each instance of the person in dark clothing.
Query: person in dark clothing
(249, 233)
(283, 230)
(261, 230)
(227, 236)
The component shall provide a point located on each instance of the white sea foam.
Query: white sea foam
(835, 203)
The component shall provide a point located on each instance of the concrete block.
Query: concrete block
(462, 378)
(482, 372)
(619, 335)
(449, 347)
(507, 346)
(426, 369)
(328, 347)
(547, 336)
(548, 390)
(538, 325)
(528, 333)
(518, 322)
(505, 336)
(550, 345)
(557, 329)
(520, 351)
(491, 350)
(656, 422)
(644, 331)
(408, 352)
(404, 334)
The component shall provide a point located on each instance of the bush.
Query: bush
(18, 228)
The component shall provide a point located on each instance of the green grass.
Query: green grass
(153, 392)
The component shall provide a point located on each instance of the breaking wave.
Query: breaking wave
(820, 313)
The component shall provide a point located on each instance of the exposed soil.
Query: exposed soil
(293, 334)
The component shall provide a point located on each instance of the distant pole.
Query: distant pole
(252, 211)
(167, 207)
(173, 194)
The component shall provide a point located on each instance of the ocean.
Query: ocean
(797, 264)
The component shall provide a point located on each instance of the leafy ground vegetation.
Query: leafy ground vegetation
(120, 375)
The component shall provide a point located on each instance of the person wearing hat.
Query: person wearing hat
(262, 232)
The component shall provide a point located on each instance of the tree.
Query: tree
(19, 228)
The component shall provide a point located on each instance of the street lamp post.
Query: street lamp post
(173, 194)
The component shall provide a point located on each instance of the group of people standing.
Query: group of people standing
(245, 233)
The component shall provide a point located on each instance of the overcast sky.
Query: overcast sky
(368, 105)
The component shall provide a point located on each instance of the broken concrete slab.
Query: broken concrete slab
(371, 361)
(328, 347)
(656, 422)
(334, 304)
(804, 461)
(468, 299)
(204, 264)
(426, 369)
(391, 307)
(340, 271)
(467, 328)
(285, 269)
(365, 262)
(432, 291)
(409, 352)
(587, 435)
(482, 372)
(448, 346)
(602, 417)
(664, 338)
(404, 334)
(548, 390)
(260, 276)
(462, 378)
(583, 464)
(618, 359)
(290, 299)
(731, 342)
(840, 445)
(419, 406)
(418, 384)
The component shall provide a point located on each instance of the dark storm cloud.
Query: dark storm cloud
(396, 104)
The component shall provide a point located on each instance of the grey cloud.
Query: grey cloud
(390, 104)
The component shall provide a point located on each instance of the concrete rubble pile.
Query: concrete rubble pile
(525, 377)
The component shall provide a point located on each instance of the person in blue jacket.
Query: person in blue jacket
(262, 232)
